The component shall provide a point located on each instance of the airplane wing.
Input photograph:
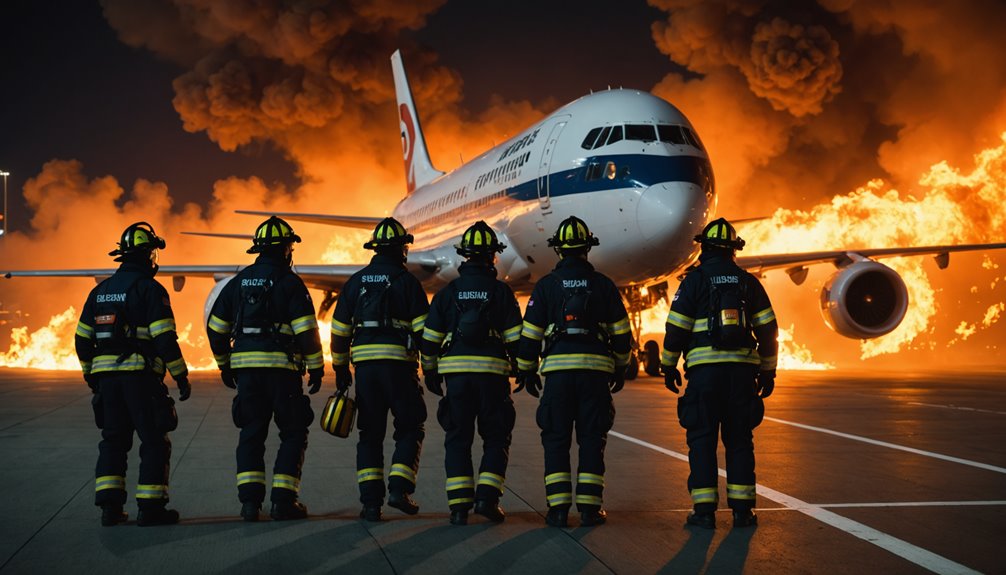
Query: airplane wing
(360, 222)
(248, 237)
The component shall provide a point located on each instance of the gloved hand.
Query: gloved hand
(765, 383)
(92, 382)
(434, 382)
(314, 379)
(343, 377)
(617, 379)
(672, 378)
(184, 388)
(530, 380)
(227, 376)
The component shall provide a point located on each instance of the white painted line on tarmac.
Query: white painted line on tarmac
(914, 504)
(957, 407)
(932, 454)
(921, 557)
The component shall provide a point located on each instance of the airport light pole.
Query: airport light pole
(4, 174)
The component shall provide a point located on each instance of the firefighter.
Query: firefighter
(264, 335)
(579, 314)
(473, 329)
(125, 339)
(377, 324)
(721, 319)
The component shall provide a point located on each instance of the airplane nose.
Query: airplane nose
(667, 209)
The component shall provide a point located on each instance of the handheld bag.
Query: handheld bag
(338, 415)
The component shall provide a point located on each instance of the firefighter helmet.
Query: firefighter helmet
(572, 234)
(272, 232)
(479, 240)
(721, 234)
(136, 238)
(388, 233)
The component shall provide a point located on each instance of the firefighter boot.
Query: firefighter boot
(249, 510)
(400, 500)
(287, 510)
(557, 516)
(459, 517)
(703, 520)
(156, 516)
(371, 513)
(490, 509)
(112, 515)
(745, 518)
(591, 518)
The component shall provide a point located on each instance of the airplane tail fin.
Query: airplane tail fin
(419, 171)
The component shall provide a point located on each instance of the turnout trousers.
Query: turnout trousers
(383, 385)
(580, 399)
(129, 402)
(482, 398)
(262, 394)
(721, 398)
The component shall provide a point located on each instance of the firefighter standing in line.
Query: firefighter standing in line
(377, 323)
(268, 314)
(473, 327)
(579, 313)
(125, 338)
(722, 320)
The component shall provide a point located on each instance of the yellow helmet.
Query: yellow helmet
(721, 234)
(389, 232)
(138, 237)
(572, 234)
(479, 240)
(272, 232)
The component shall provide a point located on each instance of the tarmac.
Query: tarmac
(891, 473)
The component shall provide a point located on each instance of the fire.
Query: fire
(49, 347)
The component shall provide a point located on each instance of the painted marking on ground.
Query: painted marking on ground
(957, 407)
(914, 504)
(905, 550)
(932, 454)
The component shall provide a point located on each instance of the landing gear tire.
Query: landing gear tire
(632, 369)
(651, 364)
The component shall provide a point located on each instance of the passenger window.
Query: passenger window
(610, 170)
(644, 132)
(603, 137)
(593, 171)
(588, 142)
(616, 135)
(671, 135)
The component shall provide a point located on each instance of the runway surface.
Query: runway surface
(857, 473)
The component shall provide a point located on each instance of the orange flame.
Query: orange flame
(49, 347)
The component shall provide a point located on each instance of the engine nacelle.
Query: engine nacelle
(212, 298)
(864, 300)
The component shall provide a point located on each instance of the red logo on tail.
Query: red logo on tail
(408, 146)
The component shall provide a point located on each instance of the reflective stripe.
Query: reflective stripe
(559, 499)
(85, 331)
(460, 482)
(591, 478)
(680, 320)
(619, 327)
(702, 355)
(283, 328)
(460, 500)
(141, 333)
(705, 495)
(527, 364)
(286, 482)
(151, 491)
(109, 482)
(85, 366)
(592, 361)
(223, 359)
(341, 329)
(473, 364)
(246, 359)
(404, 471)
(302, 324)
(340, 358)
(419, 322)
(161, 326)
(433, 335)
(177, 367)
(218, 325)
(769, 363)
(735, 491)
(486, 478)
(669, 358)
(375, 351)
(588, 499)
(513, 334)
(763, 317)
(701, 325)
(429, 362)
(369, 474)
(622, 359)
(314, 360)
(251, 477)
(558, 477)
(134, 362)
(532, 331)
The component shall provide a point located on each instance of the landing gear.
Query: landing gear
(632, 369)
(651, 358)
(637, 300)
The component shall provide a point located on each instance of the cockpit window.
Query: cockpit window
(603, 137)
(588, 142)
(616, 135)
(644, 132)
(693, 138)
(672, 135)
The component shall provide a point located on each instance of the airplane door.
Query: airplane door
(543, 167)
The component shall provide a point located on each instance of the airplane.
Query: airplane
(628, 163)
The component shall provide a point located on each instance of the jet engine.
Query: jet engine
(864, 300)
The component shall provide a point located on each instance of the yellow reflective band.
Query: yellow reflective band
(513, 334)
(341, 329)
(370, 474)
(251, 477)
(403, 471)
(669, 358)
(340, 358)
(85, 331)
(486, 478)
(433, 335)
(85, 366)
(218, 325)
(460, 482)
(429, 362)
(223, 359)
(558, 477)
(621, 359)
(143, 333)
(559, 499)
(473, 364)
(419, 322)
(134, 362)
(460, 500)
(588, 499)
(769, 363)
(177, 367)
(735, 491)
(286, 482)
(532, 331)
(591, 361)
(704, 355)
(151, 491)
(109, 482)
(705, 495)
(763, 317)
(276, 359)
(376, 351)
(314, 360)
(302, 324)
(680, 320)
(701, 324)
(591, 478)
(527, 364)
(619, 327)
(162, 326)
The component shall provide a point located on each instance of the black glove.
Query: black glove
(343, 377)
(314, 379)
(531, 380)
(765, 383)
(434, 382)
(672, 378)
(617, 379)
(92, 382)
(184, 388)
(227, 376)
